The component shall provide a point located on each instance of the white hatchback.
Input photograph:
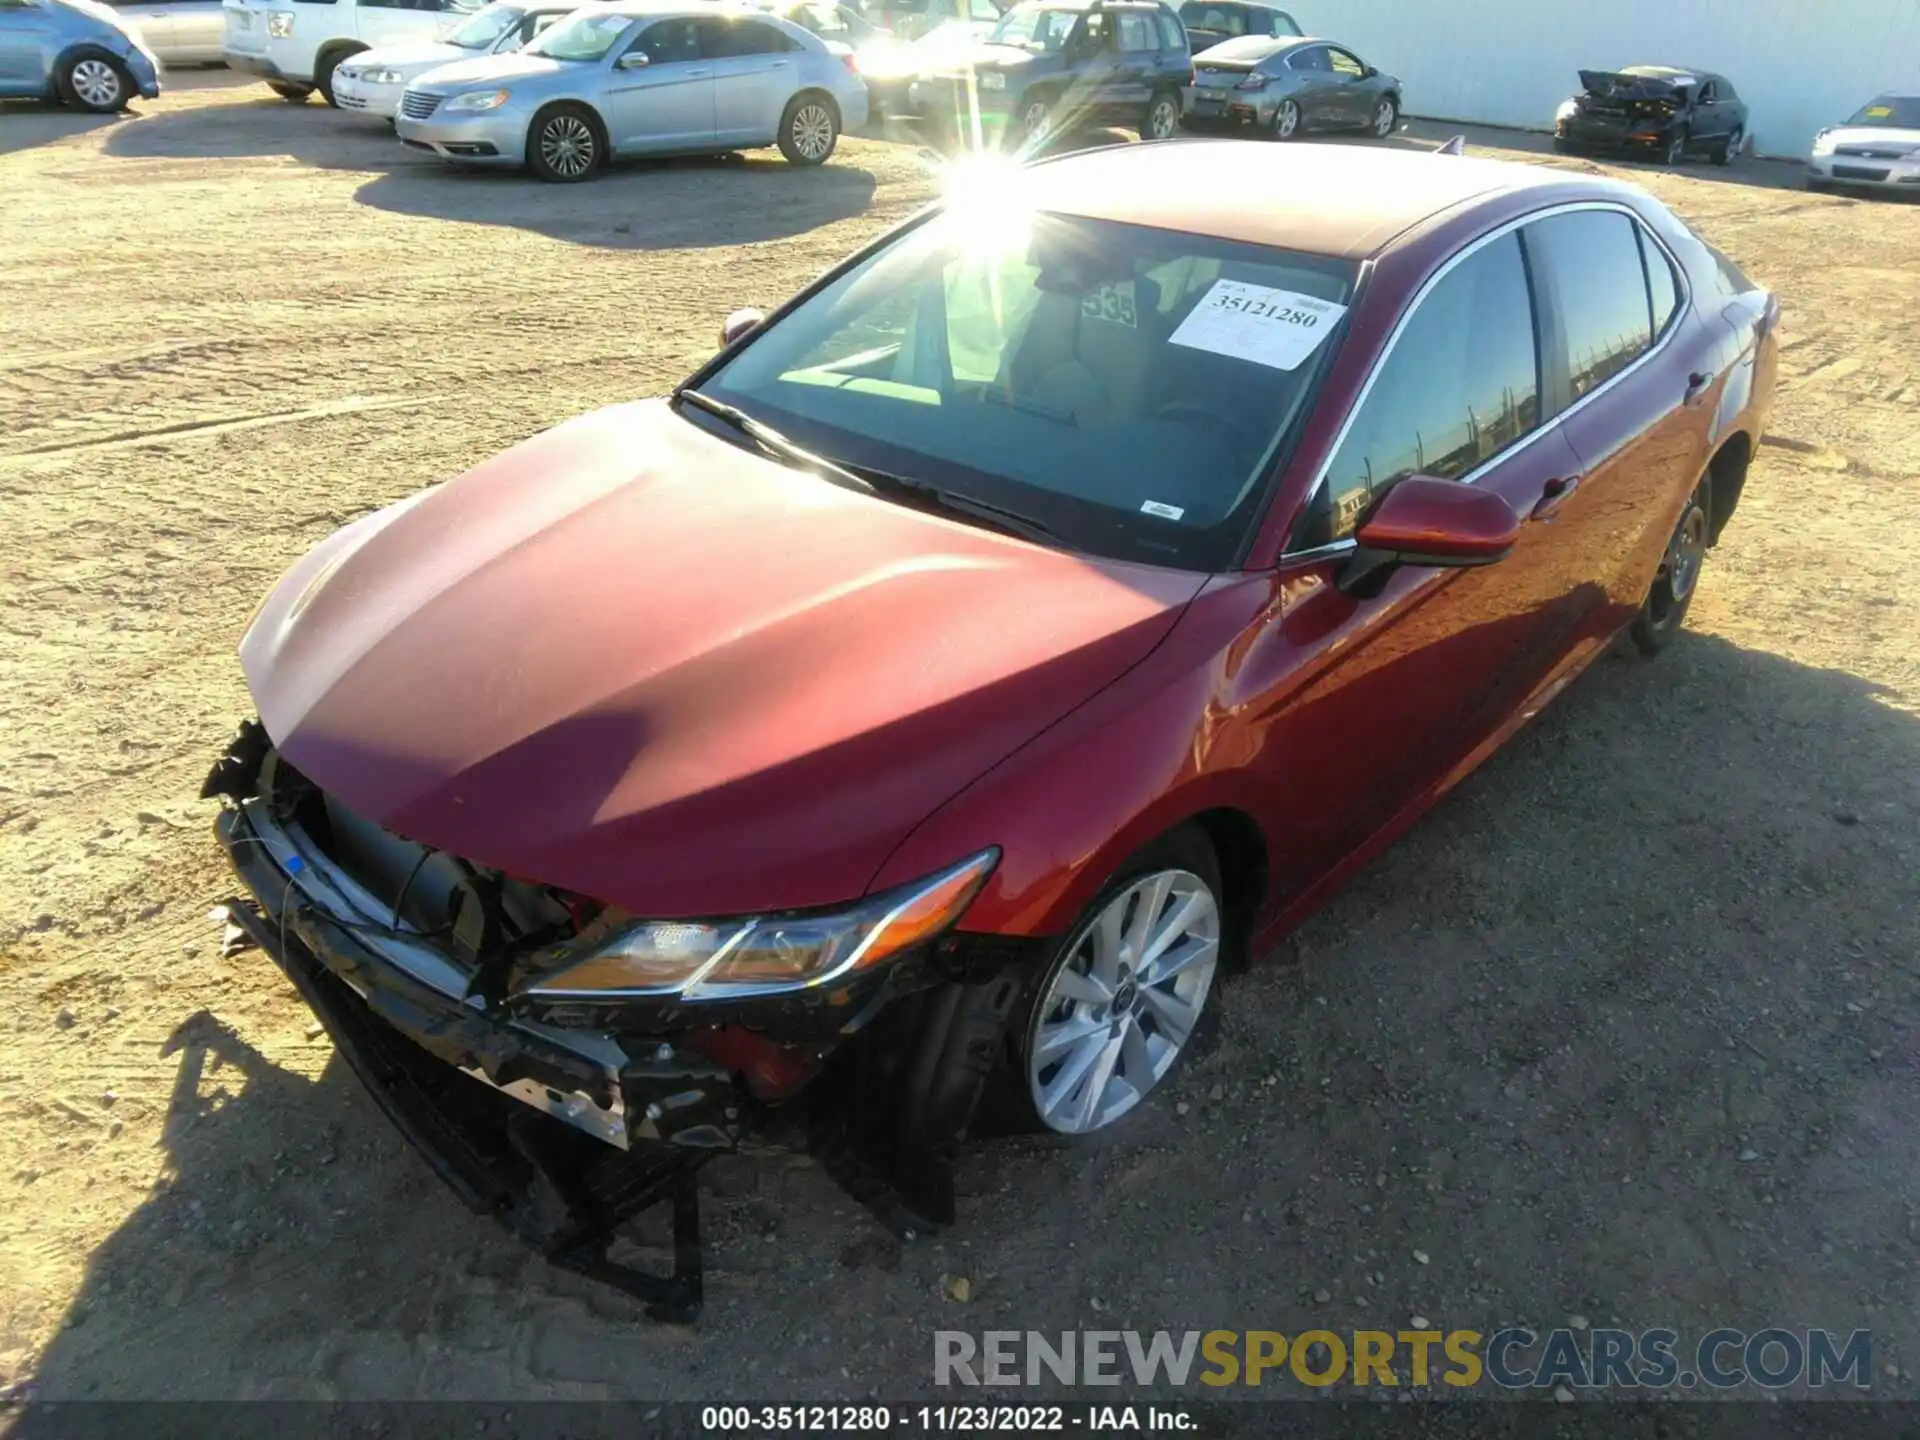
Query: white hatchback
(295, 45)
(371, 82)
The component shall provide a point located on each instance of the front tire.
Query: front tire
(1386, 118)
(564, 145)
(1034, 128)
(1126, 993)
(1286, 120)
(1676, 149)
(1731, 147)
(97, 84)
(1162, 118)
(292, 94)
(323, 75)
(1665, 609)
(809, 130)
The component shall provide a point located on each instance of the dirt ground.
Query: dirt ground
(1625, 1029)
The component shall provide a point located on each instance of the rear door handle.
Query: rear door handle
(1697, 385)
(1553, 495)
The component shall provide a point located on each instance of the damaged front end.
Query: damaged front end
(564, 1067)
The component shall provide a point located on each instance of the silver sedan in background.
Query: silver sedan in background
(180, 32)
(646, 77)
(1284, 86)
(1878, 149)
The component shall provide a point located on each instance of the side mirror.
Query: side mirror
(633, 60)
(740, 323)
(1427, 521)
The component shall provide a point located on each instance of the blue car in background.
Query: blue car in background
(78, 51)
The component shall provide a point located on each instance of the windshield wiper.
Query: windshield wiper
(772, 442)
(999, 517)
(1030, 407)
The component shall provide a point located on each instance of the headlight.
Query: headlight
(1568, 109)
(280, 24)
(478, 100)
(382, 77)
(1823, 143)
(993, 80)
(722, 959)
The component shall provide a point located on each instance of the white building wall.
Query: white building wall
(1799, 64)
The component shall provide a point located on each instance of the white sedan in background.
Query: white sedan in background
(1878, 149)
(372, 82)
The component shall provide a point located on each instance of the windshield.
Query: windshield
(829, 22)
(483, 29)
(1891, 112)
(1214, 18)
(583, 35)
(1128, 388)
(1034, 27)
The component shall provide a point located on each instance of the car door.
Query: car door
(1313, 88)
(152, 21)
(1636, 420)
(1349, 97)
(1136, 66)
(664, 102)
(26, 31)
(1443, 652)
(753, 77)
(199, 31)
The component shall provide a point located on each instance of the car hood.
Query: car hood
(632, 660)
(987, 57)
(109, 17)
(422, 55)
(497, 70)
(1615, 85)
(1879, 137)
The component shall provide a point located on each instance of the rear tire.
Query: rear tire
(292, 94)
(96, 83)
(1665, 609)
(809, 129)
(565, 145)
(1286, 120)
(1162, 118)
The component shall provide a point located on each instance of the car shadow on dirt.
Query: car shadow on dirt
(262, 124)
(1617, 1031)
(27, 123)
(692, 203)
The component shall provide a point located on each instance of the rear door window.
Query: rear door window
(1662, 288)
(1589, 260)
(1136, 33)
(1461, 384)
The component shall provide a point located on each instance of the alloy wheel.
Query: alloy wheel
(1163, 118)
(813, 131)
(1383, 118)
(1287, 121)
(1036, 122)
(97, 83)
(567, 145)
(1123, 1003)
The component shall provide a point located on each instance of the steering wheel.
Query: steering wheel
(1190, 409)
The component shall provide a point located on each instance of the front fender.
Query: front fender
(1130, 764)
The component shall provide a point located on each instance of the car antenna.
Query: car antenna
(1456, 146)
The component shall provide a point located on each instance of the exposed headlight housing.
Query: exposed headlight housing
(753, 955)
(478, 100)
(1823, 143)
(1568, 109)
(992, 80)
(381, 76)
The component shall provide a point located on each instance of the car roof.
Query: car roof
(1669, 72)
(1340, 200)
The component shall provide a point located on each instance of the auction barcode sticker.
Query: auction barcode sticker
(1272, 327)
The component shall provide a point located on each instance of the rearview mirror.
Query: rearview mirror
(633, 60)
(1427, 521)
(739, 323)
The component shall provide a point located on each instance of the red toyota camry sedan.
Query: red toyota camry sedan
(921, 706)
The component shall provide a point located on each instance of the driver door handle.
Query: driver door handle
(1553, 495)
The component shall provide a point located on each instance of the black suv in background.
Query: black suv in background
(1668, 111)
(1050, 66)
